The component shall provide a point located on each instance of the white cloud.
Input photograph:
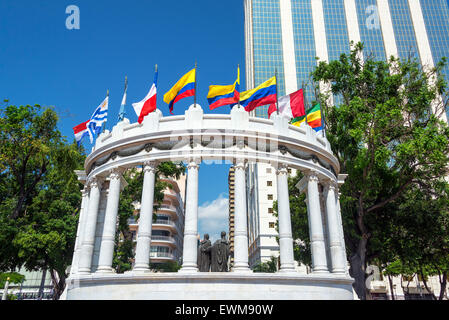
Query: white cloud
(213, 217)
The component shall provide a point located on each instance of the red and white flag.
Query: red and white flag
(290, 106)
(148, 104)
(82, 131)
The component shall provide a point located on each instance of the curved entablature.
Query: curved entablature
(212, 137)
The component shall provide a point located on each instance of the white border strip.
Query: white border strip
(386, 23)
(288, 46)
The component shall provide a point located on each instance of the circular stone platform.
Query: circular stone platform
(210, 286)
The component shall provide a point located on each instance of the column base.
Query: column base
(287, 270)
(139, 271)
(188, 270)
(105, 270)
(84, 271)
(321, 271)
(339, 271)
(241, 269)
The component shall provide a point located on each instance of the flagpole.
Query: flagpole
(103, 126)
(122, 112)
(305, 101)
(194, 98)
(238, 78)
(277, 100)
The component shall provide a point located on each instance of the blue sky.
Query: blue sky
(43, 62)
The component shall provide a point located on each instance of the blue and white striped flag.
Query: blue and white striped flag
(99, 117)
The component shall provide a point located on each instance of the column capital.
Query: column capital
(115, 173)
(194, 163)
(281, 168)
(240, 163)
(312, 175)
(150, 166)
(95, 182)
(330, 184)
(85, 191)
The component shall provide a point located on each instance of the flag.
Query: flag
(313, 119)
(184, 88)
(219, 96)
(290, 106)
(99, 117)
(148, 104)
(262, 95)
(82, 131)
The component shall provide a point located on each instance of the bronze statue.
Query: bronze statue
(204, 254)
(219, 254)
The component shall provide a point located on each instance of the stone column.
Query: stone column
(240, 220)
(88, 237)
(285, 224)
(342, 236)
(142, 261)
(333, 228)
(319, 261)
(190, 251)
(80, 230)
(110, 223)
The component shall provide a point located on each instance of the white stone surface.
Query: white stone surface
(285, 224)
(110, 224)
(146, 218)
(87, 247)
(190, 252)
(210, 286)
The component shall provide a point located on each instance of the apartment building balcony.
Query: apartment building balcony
(165, 224)
(163, 240)
(174, 196)
(162, 256)
(168, 209)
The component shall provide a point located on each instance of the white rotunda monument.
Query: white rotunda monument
(193, 138)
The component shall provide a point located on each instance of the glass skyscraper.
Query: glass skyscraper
(288, 36)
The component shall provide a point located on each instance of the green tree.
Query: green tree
(267, 267)
(420, 233)
(387, 136)
(40, 201)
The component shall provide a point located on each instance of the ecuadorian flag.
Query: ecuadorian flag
(313, 119)
(219, 96)
(262, 95)
(184, 88)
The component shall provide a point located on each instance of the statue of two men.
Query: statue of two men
(213, 257)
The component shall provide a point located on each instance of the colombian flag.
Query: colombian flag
(184, 88)
(313, 119)
(262, 95)
(219, 96)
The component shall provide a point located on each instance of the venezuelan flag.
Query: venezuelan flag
(262, 95)
(219, 96)
(184, 88)
(313, 119)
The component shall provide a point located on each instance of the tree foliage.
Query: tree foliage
(40, 196)
(388, 138)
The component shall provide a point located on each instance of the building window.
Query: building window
(269, 183)
(270, 197)
(289, 171)
(271, 225)
(270, 210)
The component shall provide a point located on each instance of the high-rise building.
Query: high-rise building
(286, 36)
